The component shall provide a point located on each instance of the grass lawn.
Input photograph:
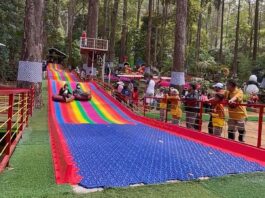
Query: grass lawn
(31, 175)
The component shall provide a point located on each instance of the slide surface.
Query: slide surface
(110, 149)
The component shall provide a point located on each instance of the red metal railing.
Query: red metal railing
(16, 105)
(254, 123)
(236, 148)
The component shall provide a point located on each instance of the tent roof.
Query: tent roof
(57, 52)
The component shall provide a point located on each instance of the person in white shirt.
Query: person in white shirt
(120, 86)
(150, 90)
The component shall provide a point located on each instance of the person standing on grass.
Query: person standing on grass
(150, 90)
(237, 113)
(218, 115)
(192, 107)
(163, 105)
(219, 89)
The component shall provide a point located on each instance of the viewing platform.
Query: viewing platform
(92, 44)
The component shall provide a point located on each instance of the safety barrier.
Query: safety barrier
(252, 151)
(16, 105)
(197, 118)
(64, 166)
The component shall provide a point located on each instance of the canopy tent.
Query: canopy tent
(55, 56)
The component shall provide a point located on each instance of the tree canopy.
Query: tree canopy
(220, 33)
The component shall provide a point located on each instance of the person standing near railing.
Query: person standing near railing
(237, 113)
(192, 107)
(219, 89)
(150, 90)
(218, 115)
(162, 104)
(175, 109)
(84, 39)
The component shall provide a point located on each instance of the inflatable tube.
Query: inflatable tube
(84, 97)
(58, 98)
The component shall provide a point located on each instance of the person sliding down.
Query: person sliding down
(65, 92)
(79, 92)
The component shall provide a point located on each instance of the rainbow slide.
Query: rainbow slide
(96, 111)
(100, 143)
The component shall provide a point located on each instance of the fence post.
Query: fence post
(261, 110)
(144, 106)
(9, 123)
(166, 118)
(31, 100)
(22, 104)
(28, 107)
(200, 116)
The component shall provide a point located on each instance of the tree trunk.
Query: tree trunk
(32, 48)
(149, 34)
(92, 29)
(250, 23)
(217, 23)
(106, 16)
(198, 37)
(256, 30)
(222, 33)
(235, 60)
(113, 30)
(162, 36)
(71, 13)
(180, 36)
(139, 5)
(124, 32)
(92, 26)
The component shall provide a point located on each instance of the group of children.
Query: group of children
(66, 93)
(232, 96)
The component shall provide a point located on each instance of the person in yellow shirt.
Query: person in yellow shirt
(218, 115)
(175, 109)
(163, 105)
(237, 113)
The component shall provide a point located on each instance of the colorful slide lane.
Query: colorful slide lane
(111, 149)
(96, 111)
(122, 155)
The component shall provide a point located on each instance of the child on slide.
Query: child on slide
(65, 93)
(79, 92)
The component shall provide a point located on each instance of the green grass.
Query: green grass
(32, 175)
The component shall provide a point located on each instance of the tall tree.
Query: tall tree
(113, 30)
(222, 32)
(235, 60)
(217, 4)
(105, 33)
(198, 37)
(139, 5)
(149, 34)
(93, 9)
(180, 36)
(124, 32)
(32, 48)
(71, 15)
(256, 30)
(92, 25)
